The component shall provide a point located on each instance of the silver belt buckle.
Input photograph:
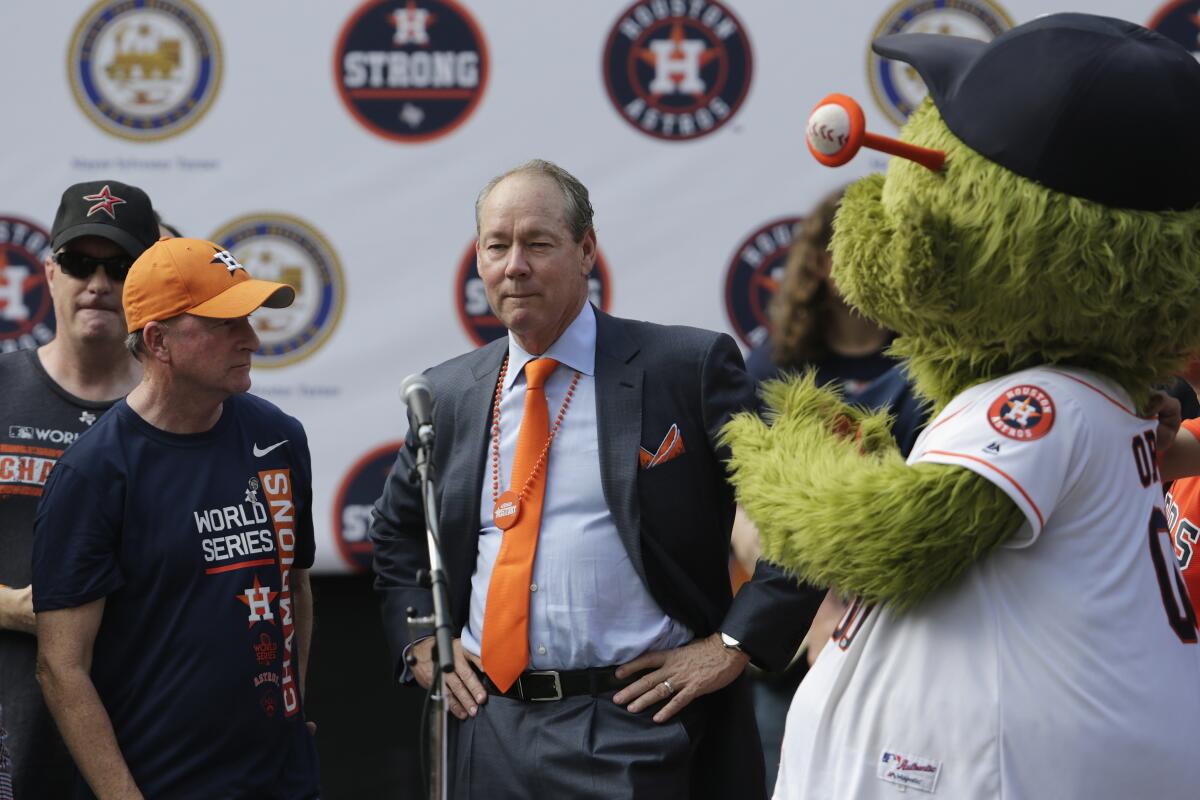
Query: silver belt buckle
(558, 695)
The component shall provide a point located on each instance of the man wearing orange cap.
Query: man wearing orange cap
(171, 551)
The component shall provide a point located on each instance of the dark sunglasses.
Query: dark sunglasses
(83, 267)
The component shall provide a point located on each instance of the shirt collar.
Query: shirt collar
(575, 348)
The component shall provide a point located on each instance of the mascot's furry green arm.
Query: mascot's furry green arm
(982, 273)
(854, 515)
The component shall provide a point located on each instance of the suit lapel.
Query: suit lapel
(460, 504)
(619, 427)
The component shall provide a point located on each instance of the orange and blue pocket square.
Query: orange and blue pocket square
(671, 447)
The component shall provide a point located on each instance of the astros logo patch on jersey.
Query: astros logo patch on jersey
(677, 69)
(476, 315)
(26, 313)
(753, 277)
(1179, 20)
(897, 87)
(411, 70)
(283, 248)
(144, 69)
(355, 498)
(1024, 413)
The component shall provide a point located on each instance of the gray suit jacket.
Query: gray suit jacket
(674, 519)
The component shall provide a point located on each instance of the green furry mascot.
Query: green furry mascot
(1020, 629)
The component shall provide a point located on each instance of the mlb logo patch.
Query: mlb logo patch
(20, 432)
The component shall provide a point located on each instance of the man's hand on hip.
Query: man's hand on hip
(465, 691)
(682, 674)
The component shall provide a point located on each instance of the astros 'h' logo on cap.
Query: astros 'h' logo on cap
(226, 258)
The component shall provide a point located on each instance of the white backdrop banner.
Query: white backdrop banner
(339, 147)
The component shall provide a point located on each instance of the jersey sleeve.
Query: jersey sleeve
(1021, 439)
(76, 538)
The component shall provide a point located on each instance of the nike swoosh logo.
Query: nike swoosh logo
(260, 453)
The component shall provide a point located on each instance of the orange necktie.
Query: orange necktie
(505, 649)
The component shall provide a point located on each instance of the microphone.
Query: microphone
(417, 394)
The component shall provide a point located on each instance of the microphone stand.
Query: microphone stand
(443, 651)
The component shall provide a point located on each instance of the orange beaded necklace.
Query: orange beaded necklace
(506, 508)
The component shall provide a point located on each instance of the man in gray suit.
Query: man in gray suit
(610, 665)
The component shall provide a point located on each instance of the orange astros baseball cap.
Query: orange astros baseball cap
(193, 276)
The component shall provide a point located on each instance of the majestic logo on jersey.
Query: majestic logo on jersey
(897, 87)
(26, 311)
(753, 276)
(259, 598)
(677, 69)
(144, 69)
(1179, 20)
(411, 70)
(355, 498)
(1024, 413)
(282, 248)
(477, 318)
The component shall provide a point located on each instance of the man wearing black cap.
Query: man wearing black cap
(51, 395)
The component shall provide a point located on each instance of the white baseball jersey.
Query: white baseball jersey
(1063, 665)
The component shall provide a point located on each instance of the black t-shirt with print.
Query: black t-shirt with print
(38, 419)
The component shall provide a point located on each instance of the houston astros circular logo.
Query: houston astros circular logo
(144, 69)
(278, 247)
(753, 276)
(411, 70)
(476, 315)
(677, 70)
(26, 313)
(897, 87)
(1024, 413)
(356, 496)
(1179, 21)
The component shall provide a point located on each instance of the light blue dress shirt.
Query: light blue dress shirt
(587, 605)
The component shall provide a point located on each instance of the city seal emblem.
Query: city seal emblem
(144, 69)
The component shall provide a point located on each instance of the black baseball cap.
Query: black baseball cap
(1091, 106)
(110, 209)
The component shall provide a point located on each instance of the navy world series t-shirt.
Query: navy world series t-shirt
(191, 540)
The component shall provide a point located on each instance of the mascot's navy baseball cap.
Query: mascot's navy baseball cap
(1093, 107)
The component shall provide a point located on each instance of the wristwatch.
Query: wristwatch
(730, 643)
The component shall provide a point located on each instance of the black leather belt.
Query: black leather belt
(542, 685)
